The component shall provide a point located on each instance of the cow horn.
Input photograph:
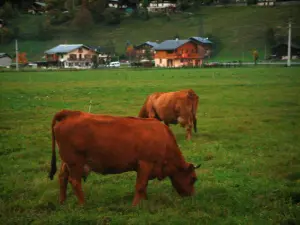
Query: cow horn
(197, 166)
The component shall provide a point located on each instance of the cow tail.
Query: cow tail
(143, 112)
(195, 106)
(195, 99)
(58, 117)
(195, 124)
(53, 159)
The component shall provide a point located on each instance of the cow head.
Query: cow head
(184, 179)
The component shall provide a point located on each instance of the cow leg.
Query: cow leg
(63, 182)
(143, 174)
(76, 173)
(188, 132)
(187, 125)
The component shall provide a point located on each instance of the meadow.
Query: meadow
(247, 143)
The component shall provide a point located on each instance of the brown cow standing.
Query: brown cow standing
(172, 108)
(111, 145)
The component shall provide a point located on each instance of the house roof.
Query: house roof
(95, 48)
(293, 45)
(170, 44)
(201, 39)
(41, 4)
(2, 54)
(64, 48)
(151, 43)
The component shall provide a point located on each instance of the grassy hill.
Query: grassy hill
(238, 30)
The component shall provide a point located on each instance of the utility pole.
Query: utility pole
(17, 65)
(289, 44)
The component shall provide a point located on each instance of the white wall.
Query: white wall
(5, 61)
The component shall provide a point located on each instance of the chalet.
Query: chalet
(71, 56)
(142, 48)
(37, 8)
(178, 53)
(122, 4)
(5, 60)
(104, 53)
(205, 43)
(280, 50)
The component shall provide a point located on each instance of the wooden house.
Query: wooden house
(178, 53)
(71, 56)
(141, 50)
(280, 50)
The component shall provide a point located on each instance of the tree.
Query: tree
(109, 47)
(183, 4)
(131, 53)
(112, 16)
(83, 19)
(44, 31)
(145, 4)
(95, 61)
(22, 59)
(148, 54)
(7, 11)
(97, 8)
(6, 35)
(55, 5)
(270, 37)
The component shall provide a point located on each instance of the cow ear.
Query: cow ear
(189, 167)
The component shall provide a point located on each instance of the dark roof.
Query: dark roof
(151, 43)
(201, 39)
(171, 44)
(41, 4)
(292, 45)
(95, 48)
(2, 54)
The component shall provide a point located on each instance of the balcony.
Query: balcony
(79, 60)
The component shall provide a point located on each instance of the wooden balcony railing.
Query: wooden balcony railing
(79, 60)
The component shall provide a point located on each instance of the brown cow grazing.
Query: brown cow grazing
(172, 108)
(110, 145)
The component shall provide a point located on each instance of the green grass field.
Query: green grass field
(248, 145)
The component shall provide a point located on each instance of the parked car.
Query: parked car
(114, 64)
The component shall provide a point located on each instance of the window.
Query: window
(72, 56)
(80, 50)
(160, 61)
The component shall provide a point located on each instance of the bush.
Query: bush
(7, 11)
(83, 19)
(6, 35)
(143, 13)
(251, 2)
(58, 17)
(97, 8)
(44, 32)
(16, 32)
(112, 16)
